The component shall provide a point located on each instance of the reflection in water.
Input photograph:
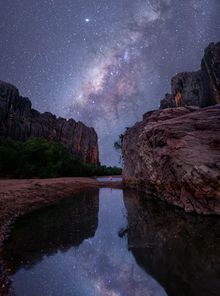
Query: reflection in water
(181, 251)
(73, 248)
(54, 251)
(110, 179)
(56, 227)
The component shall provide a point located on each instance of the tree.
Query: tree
(118, 144)
(43, 158)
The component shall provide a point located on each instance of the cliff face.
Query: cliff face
(19, 121)
(201, 88)
(173, 154)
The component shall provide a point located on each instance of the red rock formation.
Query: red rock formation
(174, 155)
(19, 121)
(201, 88)
(210, 68)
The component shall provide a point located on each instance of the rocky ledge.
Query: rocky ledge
(19, 121)
(174, 155)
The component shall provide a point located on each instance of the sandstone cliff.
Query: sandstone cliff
(201, 88)
(174, 155)
(19, 121)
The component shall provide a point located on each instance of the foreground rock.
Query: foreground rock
(174, 155)
(19, 121)
(200, 88)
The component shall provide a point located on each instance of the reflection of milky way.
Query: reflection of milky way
(103, 62)
(101, 265)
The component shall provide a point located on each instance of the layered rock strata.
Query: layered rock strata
(19, 121)
(174, 155)
(201, 88)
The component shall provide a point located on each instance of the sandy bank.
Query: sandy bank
(21, 196)
(18, 197)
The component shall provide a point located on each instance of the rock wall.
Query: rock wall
(201, 88)
(19, 121)
(174, 155)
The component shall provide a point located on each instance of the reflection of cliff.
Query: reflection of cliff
(51, 229)
(181, 251)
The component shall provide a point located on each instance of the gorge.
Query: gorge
(110, 148)
(102, 236)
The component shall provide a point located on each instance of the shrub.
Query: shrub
(44, 159)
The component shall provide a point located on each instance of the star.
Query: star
(115, 53)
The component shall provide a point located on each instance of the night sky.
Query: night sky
(104, 62)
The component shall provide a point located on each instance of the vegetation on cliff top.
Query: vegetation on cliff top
(118, 144)
(44, 159)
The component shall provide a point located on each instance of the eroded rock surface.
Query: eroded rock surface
(19, 121)
(174, 154)
(201, 88)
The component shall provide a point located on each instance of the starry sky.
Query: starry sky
(103, 62)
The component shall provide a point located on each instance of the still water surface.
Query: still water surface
(73, 248)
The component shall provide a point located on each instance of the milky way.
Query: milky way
(103, 62)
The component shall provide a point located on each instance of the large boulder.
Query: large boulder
(201, 88)
(174, 155)
(19, 121)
